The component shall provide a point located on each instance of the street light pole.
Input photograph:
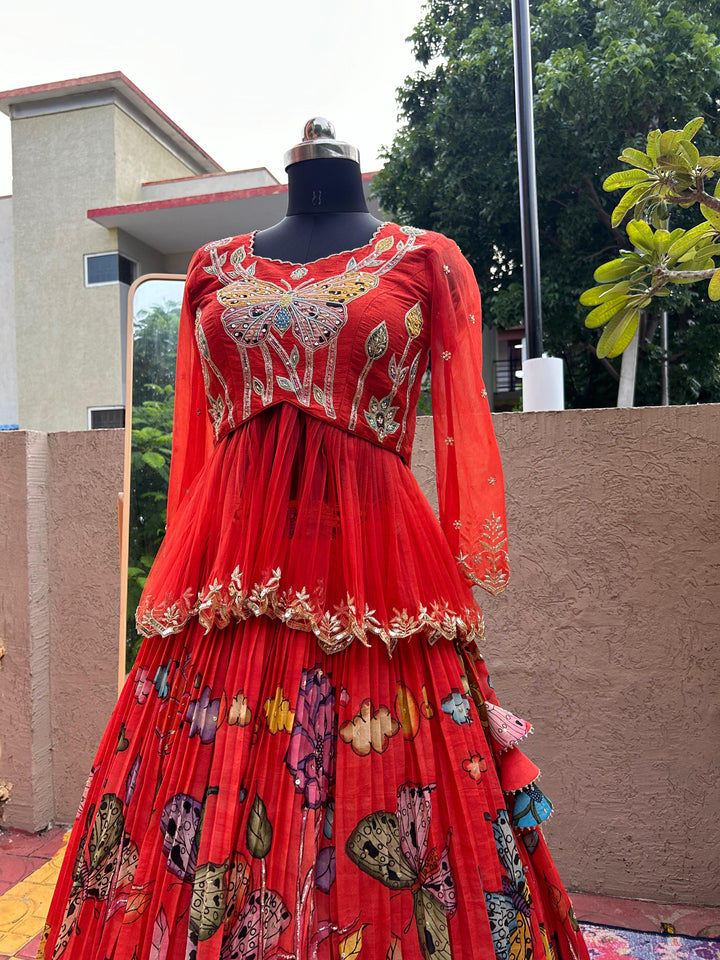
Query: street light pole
(527, 181)
(542, 376)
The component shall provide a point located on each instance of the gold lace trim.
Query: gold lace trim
(218, 604)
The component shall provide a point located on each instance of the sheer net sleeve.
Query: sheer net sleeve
(471, 492)
(192, 439)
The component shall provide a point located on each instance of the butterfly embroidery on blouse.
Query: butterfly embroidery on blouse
(393, 848)
(315, 310)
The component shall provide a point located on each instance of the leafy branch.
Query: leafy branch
(670, 172)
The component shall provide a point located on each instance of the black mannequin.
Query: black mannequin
(326, 213)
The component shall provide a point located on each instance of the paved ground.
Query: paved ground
(29, 865)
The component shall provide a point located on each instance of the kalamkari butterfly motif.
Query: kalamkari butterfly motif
(258, 313)
(509, 911)
(393, 848)
(314, 310)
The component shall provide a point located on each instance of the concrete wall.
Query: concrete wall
(8, 366)
(68, 337)
(84, 479)
(71, 338)
(25, 751)
(59, 599)
(139, 156)
(608, 639)
(605, 639)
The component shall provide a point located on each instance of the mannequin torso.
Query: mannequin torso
(326, 213)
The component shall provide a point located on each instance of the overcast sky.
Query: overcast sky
(241, 78)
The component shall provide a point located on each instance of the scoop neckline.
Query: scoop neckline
(309, 263)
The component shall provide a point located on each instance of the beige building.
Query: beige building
(106, 188)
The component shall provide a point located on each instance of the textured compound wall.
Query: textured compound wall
(84, 478)
(25, 740)
(59, 600)
(607, 638)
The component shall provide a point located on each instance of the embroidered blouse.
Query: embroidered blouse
(346, 340)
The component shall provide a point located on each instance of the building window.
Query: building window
(106, 418)
(103, 268)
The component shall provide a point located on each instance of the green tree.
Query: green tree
(606, 73)
(669, 172)
(154, 348)
(155, 333)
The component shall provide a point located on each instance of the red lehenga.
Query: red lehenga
(308, 759)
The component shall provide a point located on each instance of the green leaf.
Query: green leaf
(707, 252)
(668, 142)
(662, 240)
(618, 334)
(714, 286)
(653, 144)
(688, 240)
(709, 164)
(637, 158)
(259, 833)
(625, 178)
(641, 235)
(153, 459)
(712, 216)
(690, 151)
(700, 263)
(633, 196)
(595, 295)
(678, 164)
(614, 270)
(600, 315)
(691, 128)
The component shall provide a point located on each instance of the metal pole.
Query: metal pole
(526, 170)
(666, 364)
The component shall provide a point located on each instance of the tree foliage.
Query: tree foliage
(606, 73)
(671, 172)
(154, 348)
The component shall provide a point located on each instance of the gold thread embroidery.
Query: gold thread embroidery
(375, 346)
(217, 605)
(258, 313)
(216, 405)
(380, 414)
(491, 557)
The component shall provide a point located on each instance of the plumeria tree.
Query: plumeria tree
(669, 173)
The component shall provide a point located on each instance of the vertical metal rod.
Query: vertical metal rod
(666, 365)
(526, 170)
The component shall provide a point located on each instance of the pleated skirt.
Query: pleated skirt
(254, 797)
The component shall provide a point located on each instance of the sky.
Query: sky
(240, 78)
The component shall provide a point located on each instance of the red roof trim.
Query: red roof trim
(65, 84)
(116, 77)
(147, 205)
(200, 200)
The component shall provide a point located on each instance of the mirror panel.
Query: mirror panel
(154, 306)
